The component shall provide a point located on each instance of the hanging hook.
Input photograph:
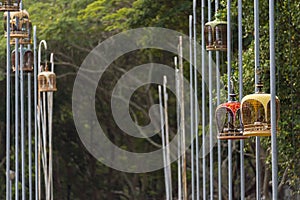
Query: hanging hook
(232, 93)
(52, 62)
(43, 42)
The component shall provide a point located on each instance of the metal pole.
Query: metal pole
(211, 153)
(229, 91)
(17, 118)
(273, 102)
(167, 134)
(50, 106)
(178, 129)
(8, 107)
(35, 112)
(257, 67)
(240, 44)
(218, 103)
(29, 136)
(191, 109)
(203, 99)
(22, 122)
(163, 142)
(182, 120)
(195, 119)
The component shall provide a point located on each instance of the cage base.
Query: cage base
(25, 69)
(214, 48)
(258, 133)
(231, 136)
(9, 8)
(48, 90)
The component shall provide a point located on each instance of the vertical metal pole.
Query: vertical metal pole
(257, 67)
(229, 91)
(8, 106)
(17, 54)
(29, 136)
(22, 122)
(203, 99)
(35, 112)
(273, 102)
(192, 109)
(240, 44)
(182, 120)
(194, 128)
(163, 141)
(211, 153)
(218, 103)
(178, 129)
(167, 135)
(22, 118)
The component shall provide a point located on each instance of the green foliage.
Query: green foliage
(73, 28)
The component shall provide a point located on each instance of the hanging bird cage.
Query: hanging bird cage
(20, 24)
(216, 35)
(10, 5)
(256, 114)
(47, 81)
(27, 60)
(228, 117)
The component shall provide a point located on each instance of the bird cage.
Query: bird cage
(20, 24)
(47, 81)
(228, 117)
(216, 35)
(27, 60)
(256, 114)
(10, 5)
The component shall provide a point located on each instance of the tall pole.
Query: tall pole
(22, 122)
(240, 44)
(40, 119)
(229, 91)
(29, 135)
(195, 120)
(178, 130)
(8, 107)
(182, 120)
(192, 109)
(163, 142)
(17, 54)
(167, 135)
(257, 68)
(273, 102)
(203, 99)
(218, 103)
(211, 153)
(35, 111)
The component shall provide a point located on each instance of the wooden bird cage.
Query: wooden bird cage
(47, 81)
(10, 5)
(228, 118)
(256, 117)
(216, 35)
(27, 60)
(20, 24)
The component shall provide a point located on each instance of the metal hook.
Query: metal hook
(52, 62)
(39, 56)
